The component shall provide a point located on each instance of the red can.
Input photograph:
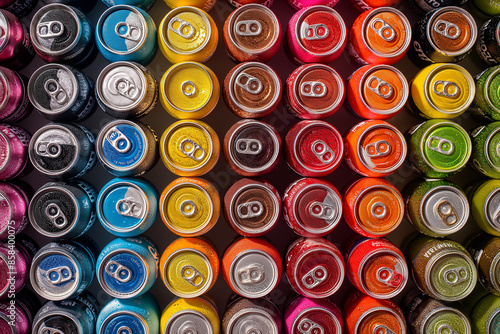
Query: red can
(374, 148)
(314, 148)
(14, 101)
(364, 5)
(299, 4)
(16, 50)
(14, 143)
(316, 34)
(312, 207)
(313, 316)
(239, 3)
(373, 207)
(377, 91)
(314, 91)
(379, 36)
(314, 267)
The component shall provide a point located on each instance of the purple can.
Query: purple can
(16, 50)
(304, 315)
(14, 142)
(14, 102)
(16, 315)
(13, 210)
(19, 8)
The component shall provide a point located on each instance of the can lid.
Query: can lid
(6, 325)
(4, 87)
(4, 31)
(380, 320)
(491, 91)
(491, 208)
(52, 322)
(316, 320)
(123, 322)
(494, 321)
(252, 320)
(6, 149)
(492, 149)
(446, 319)
(188, 321)
(7, 210)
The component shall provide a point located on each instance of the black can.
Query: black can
(19, 8)
(428, 5)
(84, 5)
(488, 42)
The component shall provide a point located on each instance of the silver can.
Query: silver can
(251, 316)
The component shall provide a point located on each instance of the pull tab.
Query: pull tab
(249, 83)
(307, 326)
(389, 277)
(313, 89)
(446, 88)
(314, 277)
(191, 149)
(248, 146)
(56, 216)
(44, 329)
(456, 275)
(382, 329)
(322, 211)
(378, 210)
(55, 91)
(188, 327)
(126, 87)
(124, 330)
(250, 209)
(447, 213)
(440, 145)
(314, 31)
(446, 329)
(382, 89)
(188, 208)
(129, 207)
(384, 29)
(252, 274)
(447, 29)
(50, 29)
(249, 28)
(322, 151)
(379, 148)
(128, 31)
(59, 275)
(252, 330)
(48, 149)
(188, 88)
(185, 29)
(118, 140)
(118, 271)
(192, 276)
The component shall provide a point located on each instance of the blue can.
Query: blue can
(126, 33)
(143, 4)
(127, 207)
(139, 315)
(128, 267)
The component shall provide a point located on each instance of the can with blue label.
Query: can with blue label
(127, 207)
(139, 315)
(143, 4)
(126, 33)
(128, 267)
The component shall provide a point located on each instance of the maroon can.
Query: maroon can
(14, 102)
(314, 91)
(13, 210)
(252, 207)
(259, 315)
(14, 143)
(16, 50)
(16, 315)
(313, 316)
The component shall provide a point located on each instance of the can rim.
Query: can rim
(179, 313)
(4, 78)
(75, 319)
(7, 320)
(401, 322)
(246, 311)
(338, 324)
(433, 313)
(5, 42)
(4, 259)
(490, 320)
(7, 151)
(496, 71)
(137, 316)
(487, 215)
(6, 198)
(494, 272)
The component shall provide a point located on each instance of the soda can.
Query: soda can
(64, 269)
(314, 267)
(190, 314)
(189, 267)
(365, 314)
(128, 316)
(14, 102)
(189, 207)
(376, 267)
(205, 5)
(14, 143)
(189, 148)
(374, 148)
(239, 3)
(484, 199)
(252, 207)
(252, 33)
(13, 209)
(251, 267)
(316, 34)
(443, 35)
(19, 8)
(377, 92)
(16, 50)
(314, 91)
(486, 105)
(16, 315)
(252, 148)
(61, 34)
(62, 93)
(63, 209)
(373, 207)
(127, 207)
(142, 4)
(438, 148)
(304, 315)
(436, 208)
(487, 45)
(257, 315)
(441, 91)
(127, 267)
(187, 34)
(189, 90)
(300, 4)
(127, 148)
(485, 316)
(60, 150)
(312, 207)
(379, 36)
(314, 148)
(484, 250)
(126, 90)
(75, 315)
(84, 5)
(364, 5)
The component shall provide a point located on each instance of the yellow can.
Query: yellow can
(189, 148)
(189, 207)
(187, 34)
(442, 91)
(182, 315)
(206, 5)
(189, 90)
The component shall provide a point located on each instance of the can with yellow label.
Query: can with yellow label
(187, 315)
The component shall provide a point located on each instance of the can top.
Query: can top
(4, 85)
(6, 149)
(4, 276)
(316, 320)
(380, 320)
(446, 318)
(6, 212)
(492, 148)
(124, 322)
(56, 319)
(188, 321)
(4, 31)
(252, 320)
(53, 88)
(491, 91)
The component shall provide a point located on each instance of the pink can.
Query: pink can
(14, 142)
(299, 4)
(16, 50)
(304, 315)
(14, 102)
(13, 210)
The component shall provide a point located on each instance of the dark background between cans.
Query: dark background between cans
(221, 119)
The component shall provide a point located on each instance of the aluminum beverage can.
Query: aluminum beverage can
(19, 8)
(187, 34)
(490, 8)
(14, 102)
(13, 209)
(314, 267)
(142, 4)
(485, 156)
(486, 104)
(252, 207)
(189, 267)
(485, 251)
(376, 267)
(239, 3)
(436, 208)
(127, 148)
(190, 314)
(251, 267)
(129, 316)
(189, 207)
(304, 315)
(64, 269)
(252, 33)
(252, 148)
(126, 90)
(484, 200)
(63, 209)
(189, 90)
(61, 150)
(16, 314)
(189, 148)
(257, 315)
(377, 92)
(84, 5)
(14, 143)
(16, 50)
(312, 207)
(314, 91)
(62, 93)
(438, 148)
(314, 148)
(424, 6)
(316, 34)
(300, 4)
(364, 5)
(485, 316)
(487, 44)
(205, 5)
(127, 207)
(252, 90)
(127, 267)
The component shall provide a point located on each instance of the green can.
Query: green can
(484, 199)
(485, 156)
(438, 148)
(489, 7)
(485, 251)
(485, 316)
(486, 104)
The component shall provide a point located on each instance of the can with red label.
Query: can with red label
(252, 316)
(14, 143)
(299, 4)
(313, 316)
(14, 102)
(364, 5)
(13, 209)
(16, 50)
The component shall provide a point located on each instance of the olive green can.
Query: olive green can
(485, 156)
(484, 200)
(486, 104)
(485, 251)
(485, 316)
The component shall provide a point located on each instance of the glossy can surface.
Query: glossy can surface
(485, 251)
(142, 4)
(484, 200)
(205, 5)
(16, 314)
(258, 315)
(485, 316)
(14, 143)
(19, 8)
(14, 102)
(364, 5)
(304, 315)
(190, 314)
(488, 43)
(486, 104)
(13, 209)
(16, 50)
